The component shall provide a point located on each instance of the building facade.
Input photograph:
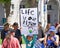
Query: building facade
(49, 11)
(1, 14)
(14, 12)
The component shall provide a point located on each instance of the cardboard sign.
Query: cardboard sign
(29, 22)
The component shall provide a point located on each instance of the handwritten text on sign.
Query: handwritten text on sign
(29, 22)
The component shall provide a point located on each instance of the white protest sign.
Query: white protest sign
(29, 22)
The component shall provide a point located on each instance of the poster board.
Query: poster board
(29, 21)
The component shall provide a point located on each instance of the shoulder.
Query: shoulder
(56, 36)
(17, 30)
(15, 39)
(5, 40)
(3, 30)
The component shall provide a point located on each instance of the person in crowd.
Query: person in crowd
(58, 33)
(47, 28)
(58, 26)
(4, 31)
(17, 32)
(52, 40)
(40, 31)
(40, 37)
(10, 41)
(30, 40)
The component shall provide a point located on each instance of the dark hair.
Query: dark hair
(15, 23)
(6, 24)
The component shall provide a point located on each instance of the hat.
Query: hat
(11, 30)
(52, 29)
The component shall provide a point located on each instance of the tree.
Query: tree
(30, 3)
(7, 4)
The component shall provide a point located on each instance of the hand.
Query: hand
(52, 39)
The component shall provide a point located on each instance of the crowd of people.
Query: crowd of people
(46, 38)
(11, 38)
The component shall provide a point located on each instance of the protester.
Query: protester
(40, 31)
(58, 33)
(52, 40)
(10, 41)
(30, 40)
(58, 26)
(4, 31)
(17, 32)
(40, 37)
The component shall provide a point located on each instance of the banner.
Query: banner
(29, 21)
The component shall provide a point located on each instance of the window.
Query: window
(48, 18)
(12, 5)
(49, 7)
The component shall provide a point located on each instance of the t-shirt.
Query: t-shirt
(40, 33)
(58, 35)
(3, 34)
(50, 42)
(12, 43)
(18, 35)
(30, 44)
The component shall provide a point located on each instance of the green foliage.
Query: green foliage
(5, 1)
(0, 41)
(1, 1)
(7, 4)
(28, 3)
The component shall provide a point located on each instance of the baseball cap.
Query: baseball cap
(52, 29)
(11, 30)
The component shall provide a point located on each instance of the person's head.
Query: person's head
(15, 25)
(52, 30)
(48, 25)
(6, 26)
(49, 36)
(10, 33)
(29, 37)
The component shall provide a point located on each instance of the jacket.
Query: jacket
(11, 43)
